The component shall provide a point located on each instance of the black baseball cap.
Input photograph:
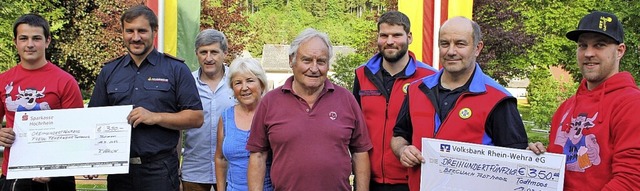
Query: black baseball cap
(599, 22)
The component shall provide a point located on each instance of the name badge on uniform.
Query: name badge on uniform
(369, 93)
(152, 79)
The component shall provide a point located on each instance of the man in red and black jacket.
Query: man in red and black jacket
(380, 87)
(459, 103)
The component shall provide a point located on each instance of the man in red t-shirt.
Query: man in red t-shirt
(34, 84)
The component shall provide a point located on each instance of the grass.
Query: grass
(534, 136)
(538, 137)
(91, 187)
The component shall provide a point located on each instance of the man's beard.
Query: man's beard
(397, 56)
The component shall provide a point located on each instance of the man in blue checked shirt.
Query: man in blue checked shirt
(198, 169)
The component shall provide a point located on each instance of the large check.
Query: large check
(69, 142)
(463, 166)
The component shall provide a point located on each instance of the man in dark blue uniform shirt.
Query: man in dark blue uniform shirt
(164, 97)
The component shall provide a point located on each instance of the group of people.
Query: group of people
(311, 134)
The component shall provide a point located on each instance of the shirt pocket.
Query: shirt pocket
(157, 86)
(159, 96)
(118, 92)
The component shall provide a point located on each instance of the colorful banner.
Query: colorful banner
(422, 14)
(179, 24)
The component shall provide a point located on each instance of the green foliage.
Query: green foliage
(533, 135)
(520, 36)
(629, 16)
(536, 136)
(90, 37)
(506, 42)
(11, 10)
(87, 32)
(551, 20)
(348, 23)
(344, 69)
(545, 95)
(84, 34)
(227, 16)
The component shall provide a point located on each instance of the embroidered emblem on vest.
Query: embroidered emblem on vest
(405, 87)
(465, 113)
(333, 115)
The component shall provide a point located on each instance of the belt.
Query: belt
(148, 159)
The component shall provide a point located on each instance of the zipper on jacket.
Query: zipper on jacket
(435, 133)
(384, 133)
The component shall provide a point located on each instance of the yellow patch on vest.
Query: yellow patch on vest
(465, 113)
(405, 87)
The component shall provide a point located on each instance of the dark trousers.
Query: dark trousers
(374, 186)
(66, 183)
(192, 186)
(157, 175)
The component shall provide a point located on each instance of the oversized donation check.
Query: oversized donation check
(463, 166)
(69, 142)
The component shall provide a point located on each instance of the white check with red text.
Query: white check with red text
(69, 142)
(459, 166)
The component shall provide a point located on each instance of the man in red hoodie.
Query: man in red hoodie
(380, 87)
(597, 128)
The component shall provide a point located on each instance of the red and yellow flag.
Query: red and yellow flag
(422, 14)
(178, 26)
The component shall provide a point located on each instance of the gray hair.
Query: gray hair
(248, 65)
(305, 35)
(211, 36)
(477, 33)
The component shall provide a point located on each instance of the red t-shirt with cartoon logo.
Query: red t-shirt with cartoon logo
(45, 88)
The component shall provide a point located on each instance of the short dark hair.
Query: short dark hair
(395, 18)
(137, 11)
(32, 19)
